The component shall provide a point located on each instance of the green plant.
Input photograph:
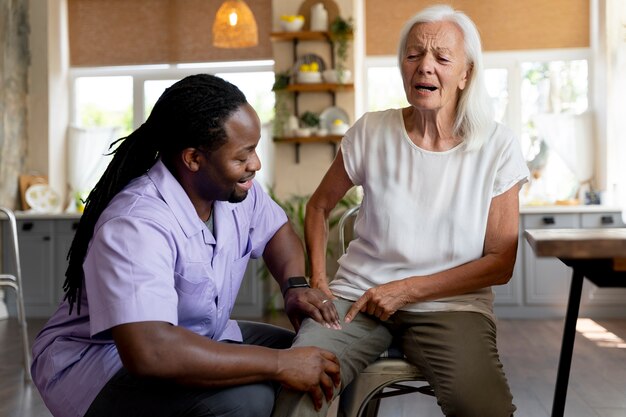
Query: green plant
(341, 31)
(281, 106)
(310, 119)
(281, 81)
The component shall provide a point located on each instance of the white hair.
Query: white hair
(474, 120)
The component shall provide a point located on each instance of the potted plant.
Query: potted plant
(281, 106)
(341, 31)
(310, 120)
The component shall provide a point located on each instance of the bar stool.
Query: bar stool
(383, 378)
(15, 282)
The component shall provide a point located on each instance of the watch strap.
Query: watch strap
(295, 282)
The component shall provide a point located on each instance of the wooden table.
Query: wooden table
(596, 254)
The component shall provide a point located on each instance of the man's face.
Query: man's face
(229, 170)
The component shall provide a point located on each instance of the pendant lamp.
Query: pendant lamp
(235, 26)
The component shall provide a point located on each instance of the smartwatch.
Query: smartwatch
(295, 282)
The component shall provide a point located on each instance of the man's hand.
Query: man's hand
(311, 370)
(381, 302)
(301, 303)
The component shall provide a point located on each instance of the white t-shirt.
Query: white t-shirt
(422, 212)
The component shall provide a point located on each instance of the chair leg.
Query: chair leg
(21, 317)
(371, 409)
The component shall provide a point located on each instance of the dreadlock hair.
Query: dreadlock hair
(189, 114)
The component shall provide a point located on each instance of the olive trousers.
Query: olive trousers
(455, 351)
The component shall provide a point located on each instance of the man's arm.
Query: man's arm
(161, 350)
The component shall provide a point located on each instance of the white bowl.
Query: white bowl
(339, 129)
(331, 76)
(292, 26)
(302, 132)
(306, 77)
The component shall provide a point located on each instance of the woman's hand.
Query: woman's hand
(301, 303)
(311, 370)
(382, 301)
(322, 285)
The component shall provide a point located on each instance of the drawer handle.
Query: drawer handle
(548, 220)
(46, 238)
(607, 220)
(27, 226)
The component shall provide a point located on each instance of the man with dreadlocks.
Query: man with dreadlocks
(155, 267)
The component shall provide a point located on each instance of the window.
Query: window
(104, 101)
(121, 98)
(527, 89)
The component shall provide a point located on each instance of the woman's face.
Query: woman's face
(434, 66)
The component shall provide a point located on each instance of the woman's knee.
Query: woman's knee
(476, 397)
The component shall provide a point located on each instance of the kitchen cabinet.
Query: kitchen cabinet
(251, 299)
(44, 243)
(540, 286)
(299, 90)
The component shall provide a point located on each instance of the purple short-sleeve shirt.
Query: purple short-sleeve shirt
(151, 258)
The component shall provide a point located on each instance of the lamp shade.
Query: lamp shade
(235, 26)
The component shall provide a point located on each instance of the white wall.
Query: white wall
(48, 108)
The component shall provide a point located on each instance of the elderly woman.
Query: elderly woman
(438, 226)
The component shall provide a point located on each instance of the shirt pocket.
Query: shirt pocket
(197, 309)
(193, 278)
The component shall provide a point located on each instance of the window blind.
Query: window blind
(503, 24)
(142, 32)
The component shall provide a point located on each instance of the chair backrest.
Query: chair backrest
(344, 223)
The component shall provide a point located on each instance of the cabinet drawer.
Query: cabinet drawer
(66, 226)
(594, 220)
(34, 227)
(551, 221)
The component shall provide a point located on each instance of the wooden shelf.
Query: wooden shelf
(319, 87)
(303, 36)
(333, 140)
(309, 139)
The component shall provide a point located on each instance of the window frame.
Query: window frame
(511, 61)
(142, 73)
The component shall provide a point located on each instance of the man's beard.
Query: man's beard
(237, 198)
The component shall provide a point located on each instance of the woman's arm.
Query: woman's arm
(333, 187)
(495, 267)
(158, 349)
(284, 257)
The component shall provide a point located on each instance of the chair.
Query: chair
(15, 282)
(383, 378)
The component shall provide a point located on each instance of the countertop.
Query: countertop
(538, 209)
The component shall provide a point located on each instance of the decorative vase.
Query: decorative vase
(319, 18)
